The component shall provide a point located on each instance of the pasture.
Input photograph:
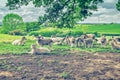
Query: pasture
(63, 62)
(6, 40)
(7, 47)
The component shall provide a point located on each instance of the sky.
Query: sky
(106, 13)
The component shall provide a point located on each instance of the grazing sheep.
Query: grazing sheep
(88, 36)
(88, 43)
(116, 40)
(38, 51)
(115, 45)
(79, 42)
(20, 41)
(103, 41)
(43, 42)
(98, 40)
(66, 40)
(69, 40)
(57, 40)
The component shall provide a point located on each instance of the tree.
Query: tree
(64, 13)
(118, 5)
(12, 22)
(32, 26)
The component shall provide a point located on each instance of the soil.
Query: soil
(73, 66)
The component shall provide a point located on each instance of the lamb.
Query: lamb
(38, 51)
(20, 41)
(43, 42)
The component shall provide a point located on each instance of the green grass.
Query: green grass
(64, 75)
(79, 29)
(7, 48)
(100, 28)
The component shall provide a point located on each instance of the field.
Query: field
(64, 62)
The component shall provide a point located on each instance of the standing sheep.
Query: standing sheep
(104, 41)
(43, 42)
(115, 45)
(88, 43)
(79, 42)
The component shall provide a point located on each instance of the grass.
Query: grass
(7, 48)
(79, 29)
(100, 28)
(64, 75)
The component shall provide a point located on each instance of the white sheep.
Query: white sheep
(115, 44)
(19, 41)
(40, 50)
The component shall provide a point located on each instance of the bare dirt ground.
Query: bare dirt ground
(74, 66)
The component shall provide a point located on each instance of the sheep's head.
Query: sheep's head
(33, 46)
(24, 38)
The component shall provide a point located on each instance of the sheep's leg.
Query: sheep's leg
(85, 45)
(50, 46)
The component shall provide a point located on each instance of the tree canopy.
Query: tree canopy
(64, 13)
(12, 22)
(118, 5)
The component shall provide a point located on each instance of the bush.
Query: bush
(97, 34)
(43, 33)
(111, 34)
(3, 31)
(52, 31)
(76, 33)
(17, 32)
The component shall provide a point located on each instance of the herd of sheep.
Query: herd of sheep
(86, 41)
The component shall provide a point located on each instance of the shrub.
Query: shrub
(35, 33)
(17, 32)
(97, 34)
(3, 31)
(43, 33)
(52, 31)
(111, 34)
(76, 33)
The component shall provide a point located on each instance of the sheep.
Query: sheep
(115, 45)
(88, 36)
(103, 41)
(69, 40)
(66, 40)
(57, 40)
(98, 40)
(42, 42)
(79, 41)
(20, 41)
(116, 40)
(38, 51)
(88, 43)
